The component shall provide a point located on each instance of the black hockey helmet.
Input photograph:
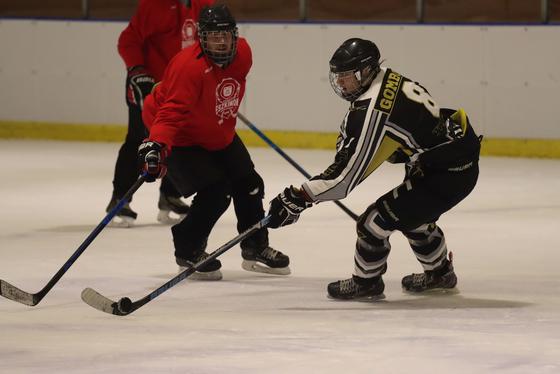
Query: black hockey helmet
(353, 67)
(217, 31)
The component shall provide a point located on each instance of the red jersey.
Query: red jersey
(197, 101)
(158, 31)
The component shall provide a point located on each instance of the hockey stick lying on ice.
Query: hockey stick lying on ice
(125, 306)
(290, 160)
(13, 293)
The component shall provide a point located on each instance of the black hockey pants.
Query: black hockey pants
(216, 177)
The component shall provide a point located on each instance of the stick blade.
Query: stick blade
(11, 292)
(94, 299)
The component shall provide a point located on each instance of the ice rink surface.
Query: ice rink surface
(506, 318)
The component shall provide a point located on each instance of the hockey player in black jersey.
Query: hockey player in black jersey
(391, 118)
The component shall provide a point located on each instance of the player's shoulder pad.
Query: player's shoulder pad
(243, 46)
(191, 55)
(186, 62)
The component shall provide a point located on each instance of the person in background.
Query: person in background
(158, 30)
(391, 118)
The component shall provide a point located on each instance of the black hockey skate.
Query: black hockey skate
(168, 205)
(210, 271)
(125, 217)
(357, 288)
(442, 279)
(266, 260)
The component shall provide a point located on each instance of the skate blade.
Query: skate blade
(203, 276)
(363, 299)
(258, 268)
(166, 217)
(121, 222)
(434, 292)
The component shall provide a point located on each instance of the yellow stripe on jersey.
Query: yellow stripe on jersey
(386, 149)
(460, 117)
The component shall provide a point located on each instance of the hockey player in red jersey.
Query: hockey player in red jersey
(391, 118)
(192, 115)
(158, 30)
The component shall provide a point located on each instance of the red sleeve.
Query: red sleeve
(245, 54)
(140, 27)
(182, 87)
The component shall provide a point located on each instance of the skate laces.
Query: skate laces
(347, 286)
(269, 253)
(200, 257)
(419, 279)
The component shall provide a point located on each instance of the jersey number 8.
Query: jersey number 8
(417, 93)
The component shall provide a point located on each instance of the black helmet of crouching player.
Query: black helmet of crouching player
(217, 31)
(353, 66)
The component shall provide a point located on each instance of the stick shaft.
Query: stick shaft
(268, 141)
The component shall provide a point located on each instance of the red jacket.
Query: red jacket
(158, 31)
(197, 101)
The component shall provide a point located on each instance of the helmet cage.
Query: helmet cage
(351, 84)
(220, 45)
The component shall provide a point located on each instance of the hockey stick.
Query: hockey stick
(125, 306)
(13, 293)
(290, 160)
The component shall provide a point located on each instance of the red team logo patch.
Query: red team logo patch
(227, 99)
(188, 35)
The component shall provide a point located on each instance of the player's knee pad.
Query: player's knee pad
(251, 185)
(387, 213)
(373, 231)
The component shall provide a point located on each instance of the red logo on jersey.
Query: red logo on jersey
(188, 34)
(227, 98)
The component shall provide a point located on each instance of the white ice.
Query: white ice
(506, 318)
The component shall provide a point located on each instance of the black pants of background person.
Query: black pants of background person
(126, 167)
(216, 177)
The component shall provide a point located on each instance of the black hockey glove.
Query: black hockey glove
(139, 84)
(151, 160)
(286, 207)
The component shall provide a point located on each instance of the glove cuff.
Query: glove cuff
(135, 67)
(138, 70)
(301, 197)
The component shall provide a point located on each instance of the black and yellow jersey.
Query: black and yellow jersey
(395, 120)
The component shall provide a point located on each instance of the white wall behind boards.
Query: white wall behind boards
(506, 77)
(58, 71)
